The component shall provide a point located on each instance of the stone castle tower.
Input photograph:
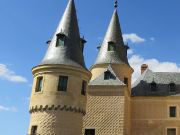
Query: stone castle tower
(61, 105)
(58, 100)
(108, 102)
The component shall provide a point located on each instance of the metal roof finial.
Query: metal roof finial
(116, 4)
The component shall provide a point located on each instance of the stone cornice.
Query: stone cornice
(42, 108)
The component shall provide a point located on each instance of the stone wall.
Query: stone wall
(150, 115)
(105, 114)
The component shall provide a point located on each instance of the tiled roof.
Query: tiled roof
(142, 87)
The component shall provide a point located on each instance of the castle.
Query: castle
(69, 99)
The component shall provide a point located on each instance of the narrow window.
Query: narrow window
(61, 38)
(153, 87)
(171, 131)
(62, 85)
(39, 84)
(83, 89)
(111, 46)
(126, 81)
(172, 111)
(172, 88)
(34, 130)
(89, 131)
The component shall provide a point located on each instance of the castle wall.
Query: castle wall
(150, 115)
(127, 114)
(57, 122)
(105, 112)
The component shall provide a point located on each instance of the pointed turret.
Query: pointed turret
(66, 45)
(58, 99)
(113, 49)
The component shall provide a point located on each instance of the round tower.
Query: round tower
(58, 100)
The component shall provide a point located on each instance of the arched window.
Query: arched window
(111, 46)
(153, 87)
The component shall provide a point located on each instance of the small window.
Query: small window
(171, 131)
(107, 75)
(83, 89)
(172, 88)
(34, 130)
(172, 111)
(61, 38)
(153, 87)
(126, 81)
(111, 46)
(89, 131)
(39, 84)
(63, 81)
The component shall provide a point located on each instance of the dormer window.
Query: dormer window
(82, 42)
(153, 87)
(172, 88)
(111, 46)
(61, 38)
(108, 75)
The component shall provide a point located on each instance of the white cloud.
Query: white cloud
(136, 61)
(9, 109)
(134, 38)
(10, 75)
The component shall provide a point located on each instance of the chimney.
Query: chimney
(143, 68)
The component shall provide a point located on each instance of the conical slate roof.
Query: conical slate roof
(71, 53)
(113, 34)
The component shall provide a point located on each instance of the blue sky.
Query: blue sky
(151, 29)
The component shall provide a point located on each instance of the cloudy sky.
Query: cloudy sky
(151, 29)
